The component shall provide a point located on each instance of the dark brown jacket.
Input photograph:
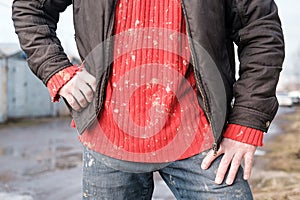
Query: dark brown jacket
(212, 25)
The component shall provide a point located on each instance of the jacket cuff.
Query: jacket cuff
(58, 80)
(244, 134)
(259, 120)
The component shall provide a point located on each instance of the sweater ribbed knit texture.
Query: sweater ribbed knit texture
(156, 107)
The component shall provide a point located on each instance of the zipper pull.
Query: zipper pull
(215, 148)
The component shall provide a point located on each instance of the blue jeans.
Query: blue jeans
(109, 179)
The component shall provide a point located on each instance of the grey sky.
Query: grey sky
(288, 10)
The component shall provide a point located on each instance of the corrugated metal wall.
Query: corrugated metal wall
(24, 95)
(3, 99)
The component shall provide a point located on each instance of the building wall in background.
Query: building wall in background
(22, 94)
(3, 90)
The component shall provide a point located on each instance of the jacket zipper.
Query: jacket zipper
(101, 93)
(200, 88)
(109, 34)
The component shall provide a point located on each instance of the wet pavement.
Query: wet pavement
(41, 160)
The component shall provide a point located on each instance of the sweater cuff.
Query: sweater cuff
(244, 134)
(58, 80)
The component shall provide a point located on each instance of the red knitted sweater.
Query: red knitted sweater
(151, 113)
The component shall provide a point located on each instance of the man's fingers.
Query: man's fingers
(79, 91)
(209, 158)
(223, 167)
(87, 92)
(248, 165)
(233, 154)
(79, 97)
(83, 93)
(72, 102)
(234, 167)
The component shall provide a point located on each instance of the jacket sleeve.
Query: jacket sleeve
(257, 32)
(35, 23)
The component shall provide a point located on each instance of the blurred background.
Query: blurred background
(40, 156)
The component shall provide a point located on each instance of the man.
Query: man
(156, 89)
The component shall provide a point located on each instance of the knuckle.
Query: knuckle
(89, 99)
(93, 85)
(82, 101)
(72, 82)
(69, 99)
(73, 90)
(249, 160)
(73, 104)
(90, 93)
(77, 84)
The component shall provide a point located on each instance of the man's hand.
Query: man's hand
(79, 91)
(234, 152)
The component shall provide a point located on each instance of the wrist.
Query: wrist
(58, 80)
